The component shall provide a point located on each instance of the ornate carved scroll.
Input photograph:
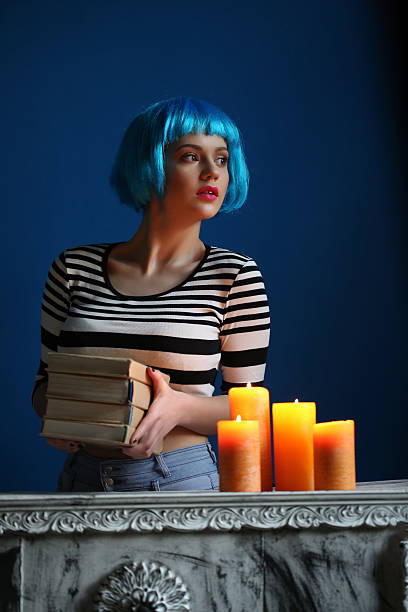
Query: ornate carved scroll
(66, 521)
(192, 512)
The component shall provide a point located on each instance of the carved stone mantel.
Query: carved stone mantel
(179, 511)
(178, 536)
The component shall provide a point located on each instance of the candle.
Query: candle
(293, 445)
(252, 403)
(239, 455)
(334, 456)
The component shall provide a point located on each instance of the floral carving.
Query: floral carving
(141, 587)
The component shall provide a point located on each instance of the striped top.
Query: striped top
(217, 318)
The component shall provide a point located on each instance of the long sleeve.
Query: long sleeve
(54, 311)
(245, 330)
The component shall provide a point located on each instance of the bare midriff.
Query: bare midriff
(178, 438)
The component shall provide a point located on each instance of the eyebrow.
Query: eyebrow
(200, 148)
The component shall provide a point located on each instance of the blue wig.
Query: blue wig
(138, 171)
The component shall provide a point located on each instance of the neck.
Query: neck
(162, 241)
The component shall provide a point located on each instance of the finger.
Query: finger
(130, 452)
(55, 444)
(150, 440)
(145, 430)
(140, 441)
(136, 453)
(69, 446)
(52, 440)
(142, 428)
(159, 384)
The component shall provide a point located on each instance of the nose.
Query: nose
(210, 170)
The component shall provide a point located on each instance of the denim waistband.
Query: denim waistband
(162, 464)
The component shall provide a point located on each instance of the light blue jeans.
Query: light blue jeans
(193, 468)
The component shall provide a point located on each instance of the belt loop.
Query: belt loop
(212, 454)
(162, 464)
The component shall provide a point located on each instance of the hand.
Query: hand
(68, 446)
(163, 415)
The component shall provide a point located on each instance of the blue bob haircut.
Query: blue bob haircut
(138, 171)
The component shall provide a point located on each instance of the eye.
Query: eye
(222, 160)
(190, 157)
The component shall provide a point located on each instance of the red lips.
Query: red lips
(208, 189)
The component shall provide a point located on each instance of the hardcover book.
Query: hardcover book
(101, 389)
(102, 433)
(98, 365)
(76, 410)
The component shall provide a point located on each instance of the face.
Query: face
(196, 167)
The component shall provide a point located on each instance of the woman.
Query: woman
(165, 299)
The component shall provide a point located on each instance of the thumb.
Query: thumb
(159, 384)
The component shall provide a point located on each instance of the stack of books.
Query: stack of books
(94, 399)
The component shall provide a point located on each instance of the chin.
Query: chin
(208, 211)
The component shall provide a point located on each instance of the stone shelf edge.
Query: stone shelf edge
(375, 506)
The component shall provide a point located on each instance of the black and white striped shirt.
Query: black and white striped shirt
(217, 318)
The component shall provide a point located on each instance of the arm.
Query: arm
(245, 331)
(54, 311)
(244, 341)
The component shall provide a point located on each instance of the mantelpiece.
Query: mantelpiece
(198, 551)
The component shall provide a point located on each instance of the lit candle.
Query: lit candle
(334, 456)
(293, 445)
(239, 455)
(252, 403)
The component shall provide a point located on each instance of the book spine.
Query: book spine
(130, 390)
(125, 431)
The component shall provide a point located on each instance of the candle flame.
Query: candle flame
(296, 401)
(248, 386)
(239, 418)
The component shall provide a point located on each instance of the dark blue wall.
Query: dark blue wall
(315, 89)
